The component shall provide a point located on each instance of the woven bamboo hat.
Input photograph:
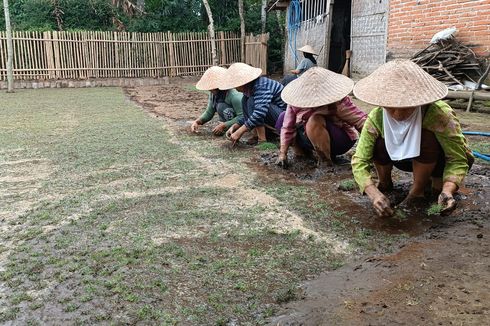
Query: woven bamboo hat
(239, 74)
(211, 78)
(308, 49)
(317, 87)
(399, 84)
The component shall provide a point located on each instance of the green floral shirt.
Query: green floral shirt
(440, 119)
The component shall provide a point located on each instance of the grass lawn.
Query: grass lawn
(106, 215)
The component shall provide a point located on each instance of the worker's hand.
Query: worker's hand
(235, 137)
(282, 161)
(219, 129)
(447, 201)
(381, 203)
(232, 130)
(195, 126)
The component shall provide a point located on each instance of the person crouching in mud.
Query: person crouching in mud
(262, 103)
(412, 130)
(228, 104)
(320, 117)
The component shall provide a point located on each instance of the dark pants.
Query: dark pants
(288, 78)
(340, 142)
(270, 118)
(430, 152)
(225, 112)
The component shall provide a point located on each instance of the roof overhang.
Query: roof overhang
(278, 5)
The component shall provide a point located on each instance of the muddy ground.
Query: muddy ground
(436, 273)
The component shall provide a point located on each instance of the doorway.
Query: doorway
(339, 34)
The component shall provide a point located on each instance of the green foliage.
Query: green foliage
(159, 15)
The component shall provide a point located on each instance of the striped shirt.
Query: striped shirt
(265, 92)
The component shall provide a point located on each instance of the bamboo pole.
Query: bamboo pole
(10, 48)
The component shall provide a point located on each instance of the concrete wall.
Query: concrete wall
(413, 23)
(368, 35)
(130, 82)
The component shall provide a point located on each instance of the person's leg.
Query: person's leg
(225, 112)
(261, 137)
(319, 137)
(424, 165)
(383, 165)
(287, 79)
(340, 142)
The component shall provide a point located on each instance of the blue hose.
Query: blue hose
(294, 24)
(478, 133)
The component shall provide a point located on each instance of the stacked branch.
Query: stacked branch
(450, 62)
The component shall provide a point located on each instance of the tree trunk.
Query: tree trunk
(10, 49)
(263, 16)
(211, 32)
(281, 26)
(58, 14)
(141, 5)
(242, 28)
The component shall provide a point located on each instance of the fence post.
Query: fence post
(223, 49)
(171, 52)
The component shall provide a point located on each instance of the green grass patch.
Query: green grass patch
(435, 209)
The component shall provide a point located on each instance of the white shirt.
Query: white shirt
(402, 138)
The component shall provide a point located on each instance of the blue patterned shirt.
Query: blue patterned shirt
(266, 92)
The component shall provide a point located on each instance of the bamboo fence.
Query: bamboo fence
(89, 54)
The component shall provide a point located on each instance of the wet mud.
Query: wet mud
(439, 274)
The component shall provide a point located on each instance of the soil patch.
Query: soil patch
(437, 271)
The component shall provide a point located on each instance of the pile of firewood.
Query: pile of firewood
(450, 62)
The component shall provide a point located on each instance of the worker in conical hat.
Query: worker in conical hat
(320, 116)
(228, 104)
(413, 130)
(262, 103)
(306, 63)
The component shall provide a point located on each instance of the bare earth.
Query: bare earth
(439, 274)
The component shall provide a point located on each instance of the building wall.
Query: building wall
(412, 24)
(314, 35)
(368, 35)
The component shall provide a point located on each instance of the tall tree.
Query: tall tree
(263, 16)
(242, 28)
(211, 32)
(10, 49)
(141, 5)
(58, 14)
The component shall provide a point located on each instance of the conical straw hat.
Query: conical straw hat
(210, 79)
(317, 87)
(308, 49)
(239, 74)
(399, 84)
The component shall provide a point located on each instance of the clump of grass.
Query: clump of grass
(347, 185)
(434, 209)
(286, 295)
(400, 215)
(266, 146)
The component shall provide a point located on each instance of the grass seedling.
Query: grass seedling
(435, 209)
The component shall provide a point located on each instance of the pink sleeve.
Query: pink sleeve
(351, 114)
(288, 130)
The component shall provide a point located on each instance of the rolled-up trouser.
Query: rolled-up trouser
(430, 152)
(225, 112)
(270, 118)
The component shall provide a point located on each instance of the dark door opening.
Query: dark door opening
(340, 34)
